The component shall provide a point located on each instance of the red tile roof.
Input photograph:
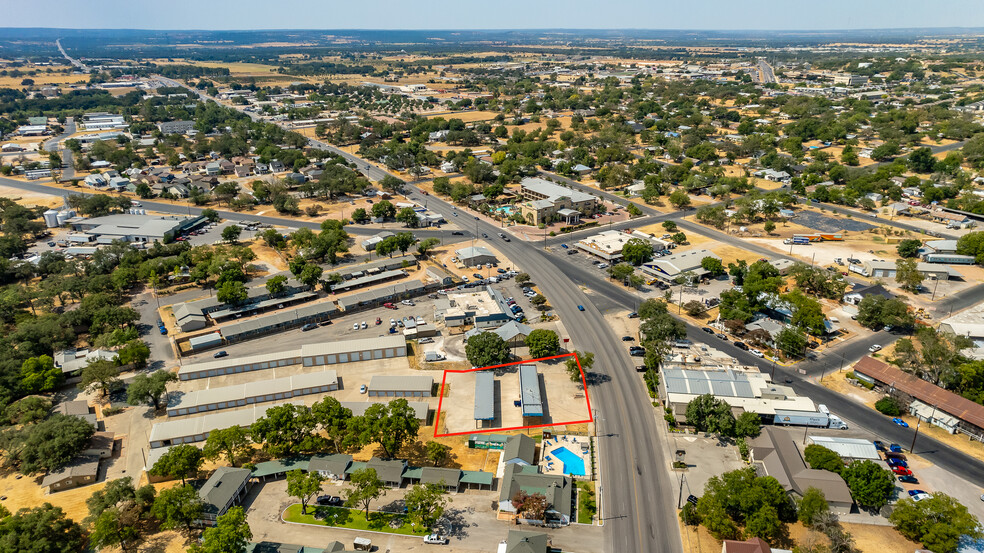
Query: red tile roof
(926, 392)
(753, 545)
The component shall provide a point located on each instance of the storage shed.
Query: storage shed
(400, 386)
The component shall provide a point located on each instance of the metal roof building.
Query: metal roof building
(400, 386)
(848, 448)
(421, 409)
(310, 355)
(529, 386)
(225, 488)
(276, 322)
(378, 296)
(751, 391)
(240, 395)
(484, 396)
(186, 431)
(368, 280)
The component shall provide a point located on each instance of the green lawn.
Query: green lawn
(586, 505)
(352, 519)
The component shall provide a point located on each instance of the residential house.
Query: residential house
(223, 490)
(519, 541)
(556, 489)
(520, 449)
(389, 471)
(477, 255)
(81, 471)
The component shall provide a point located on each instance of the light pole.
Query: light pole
(916, 434)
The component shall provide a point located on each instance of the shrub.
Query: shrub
(888, 405)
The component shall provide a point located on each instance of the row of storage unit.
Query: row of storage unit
(310, 355)
(240, 395)
(188, 431)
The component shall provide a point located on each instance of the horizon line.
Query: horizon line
(482, 29)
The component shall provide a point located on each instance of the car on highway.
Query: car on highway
(915, 492)
(457, 233)
(756, 353)
(563, 246)
(708, 330)
(309, 326)
(355, 326)
(874, 348)
(435, 539)
(900, 422)
(324, 323)
(476, 218)
(580, 308)
(741, 346)
(628, 339)
(603, 265)
(485, 235)
(901, 471)
(895, 448)
(364, 325)
(722, 337)
(218, 354)
(637, 351)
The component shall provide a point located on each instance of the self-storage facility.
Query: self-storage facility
(240, 395)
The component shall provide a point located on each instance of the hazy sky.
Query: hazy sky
(496, 14)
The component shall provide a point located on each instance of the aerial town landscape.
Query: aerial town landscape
(517, 291)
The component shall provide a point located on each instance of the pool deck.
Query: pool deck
(573, 444)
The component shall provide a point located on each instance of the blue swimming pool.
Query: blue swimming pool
(573, 463)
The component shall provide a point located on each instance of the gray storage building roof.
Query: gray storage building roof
(401, 383)
(520, 446)
(385, 293)
(286, 387)
(368, 280)
(186, 428)
(335, 464)
(434, 475)
(387, 471)
(372, 267)
(83, 465)
(420, 408)
(221, 487)
(484, 396)
(359, 344)
(285, 318)
(529, 385)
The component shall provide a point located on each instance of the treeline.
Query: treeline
(190, 71)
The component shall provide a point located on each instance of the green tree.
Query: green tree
(134, 353)
(304, 486)
(359, 215)
(694, 308)
(383, 210)
(713, 266)
(709, 414)
(543, 343)
(769, 227)
(43, 529)
(938, 522)
(284, 429)
(791, 341)
(425, 504)
(679, 199)
(408, 217)
(310, 275)
(231, 233)
(115, 526)
(637, 251)
(27, 410)
(276, 285)
(812, 506)
(100, 375)
(907, 274)
(392, 184)
(424, 247)
(748, 425)
(586, 360)
(738, 498)
(231, 534)
(365, 488)
(921, 160)
(679, 238)
(765, 524)
(909, 248)
(889, 406)
(437, 452)
(39, 374)
(232, 292)
(334, 420)
(178, 506)
(233, 443)
(822, 458)
(181, 461)
(210, 214)
(486, 349)
(391, 425)
(151, 388)
(870, 484)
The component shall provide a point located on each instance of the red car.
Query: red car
(901, 471)
(389, 306)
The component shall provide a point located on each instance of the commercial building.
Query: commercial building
(670, 267)
(330, 466)
(512, 333)
(848, 448)
(887, 269)
(134, 228)
(484, 398)
(175, 127)
(241, 395)
(223, 490)
(530, 396)
(746, 391)
(556, 489)
(846, 79)
(278, 322)
(367, 280)
(475, 255)
(71, 360)
(774, 454)
(386, 294)
(485, 309)
(547, 201)
(608, 244)
(310, 355)
(32, 130)
(400, 386)
(188, 431)
(389, 471)
(102, 121)
(944, 405)
(969, 324)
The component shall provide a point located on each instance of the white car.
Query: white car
(364, 325)
(362, 389)
(355, 326)
(406, 302)
(874, 348)
(920, 496)
(756, 353)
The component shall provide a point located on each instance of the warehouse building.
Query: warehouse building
(850, 449)
(887, 269)
(279, 322)
(421, 409)
(192, 315)
(747, 391)
(367, 280)
(532, 401)
(249, 309)
(310, 355)
(378, 266)
(400, 386)
(241, 395)
(386, 294)
(175, 127)
(188, 431)
(608, 244)
(134, 228)
(670, 267)
(476, 255)
(484, 398)
(484, 309)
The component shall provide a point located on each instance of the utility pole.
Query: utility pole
(916, 434)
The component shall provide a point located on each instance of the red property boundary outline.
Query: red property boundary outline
(584, 383)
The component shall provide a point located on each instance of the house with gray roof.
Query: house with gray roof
(81, 471)
(331, 466)
(519, 541)
(134, 228)
(556, 489)
(475, 255)
(520, 449)
(223, 490)
(389, 471)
